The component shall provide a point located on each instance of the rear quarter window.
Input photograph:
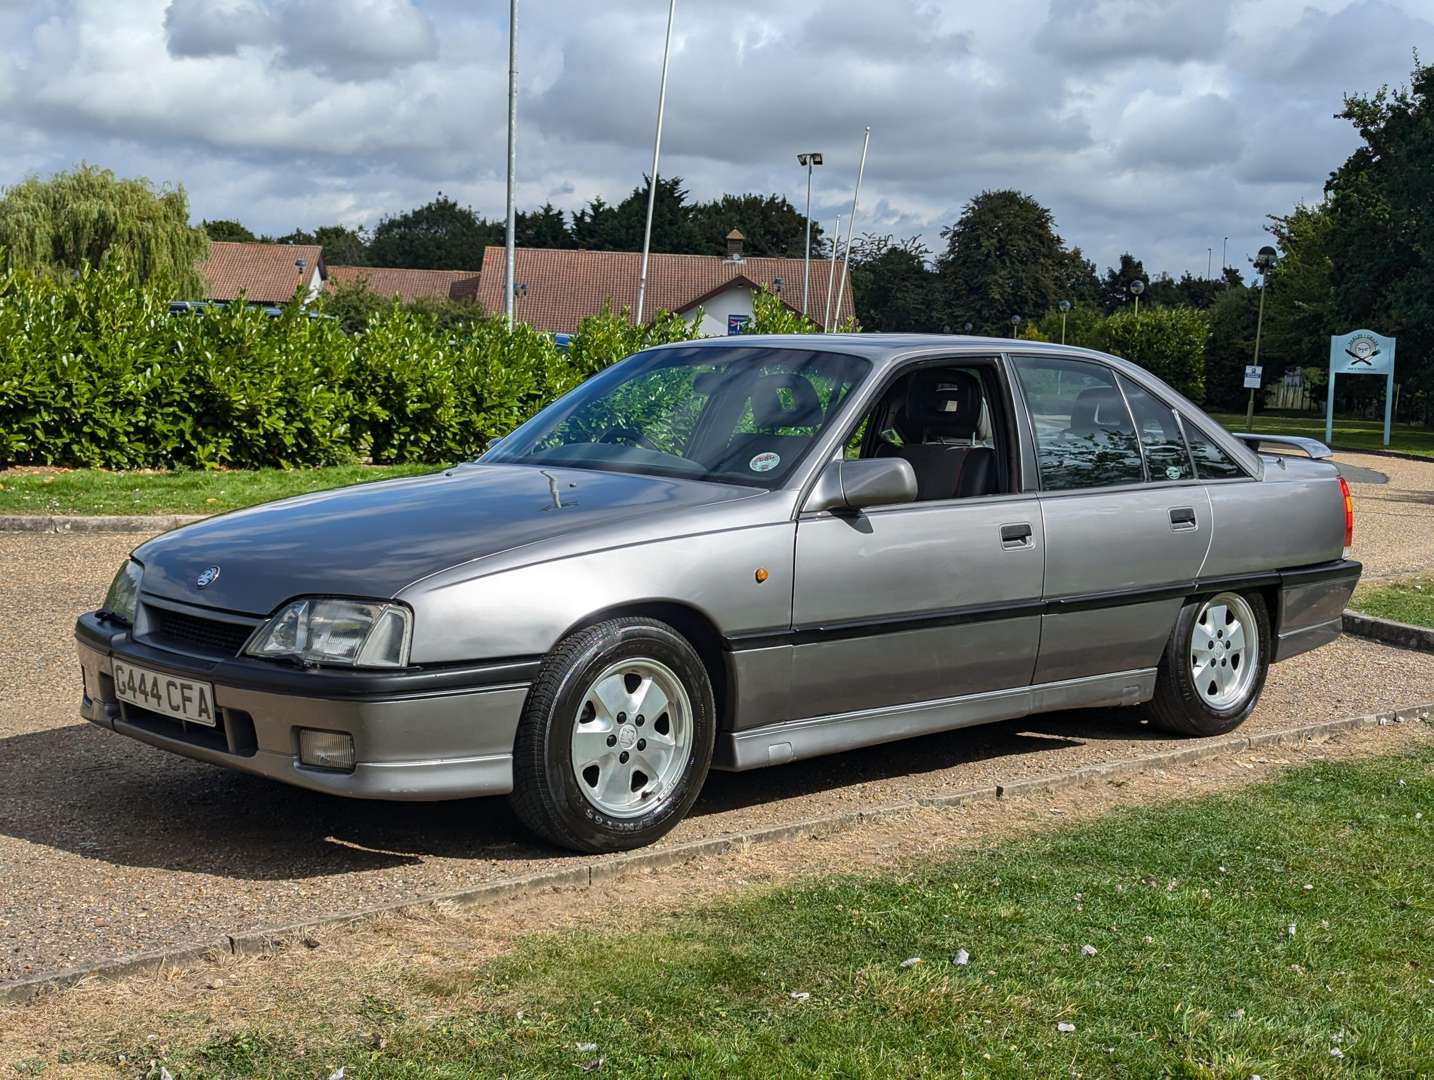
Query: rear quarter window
(1211, 463)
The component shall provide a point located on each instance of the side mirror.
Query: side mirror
(854, 485)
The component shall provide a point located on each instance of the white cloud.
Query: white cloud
(1156, 126)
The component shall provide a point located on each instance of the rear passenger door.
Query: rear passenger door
(1126, 521)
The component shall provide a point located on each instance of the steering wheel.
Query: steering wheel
(617, 431)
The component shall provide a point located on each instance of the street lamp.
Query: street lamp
(777, 284)
(1224, 262)
(810, 160)
(1136, 288)
(1065, 306)
(1015, 325)
(1264, 261)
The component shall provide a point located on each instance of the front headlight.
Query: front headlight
(123, 598)
(357, 633)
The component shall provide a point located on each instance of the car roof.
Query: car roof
(885, 348)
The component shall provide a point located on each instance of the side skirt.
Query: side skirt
(777, 744)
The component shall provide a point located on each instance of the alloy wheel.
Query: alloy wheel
(632, 738)
(1224, 651)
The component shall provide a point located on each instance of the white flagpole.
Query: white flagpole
(846, 262)
(509, 241)
(652, 183)
(831, 273)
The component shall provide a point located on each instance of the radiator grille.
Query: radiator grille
(196, 633)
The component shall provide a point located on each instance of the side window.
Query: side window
(1165, 455)
(1085, 437)
(1211, 463)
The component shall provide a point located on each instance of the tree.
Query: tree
(226, 229)
(1076, 279)
(1115, 289)
(894, 285)
(1232, 345)
(1381, 207)
(1002, 258)
(769, 224)
(606, 227)
(82, 218)
(440, 235)
(342, 246)
(545, 227)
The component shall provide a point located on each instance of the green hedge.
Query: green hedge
(95, 371)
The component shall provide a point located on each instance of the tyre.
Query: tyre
(615, 738)
(1214, 665)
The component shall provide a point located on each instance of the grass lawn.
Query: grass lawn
(1286, 930)
(1404, 601)
(97, 491)
(1348, 434)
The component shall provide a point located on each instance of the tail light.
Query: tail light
(1348, 515)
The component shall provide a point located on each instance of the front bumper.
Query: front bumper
(418, 735)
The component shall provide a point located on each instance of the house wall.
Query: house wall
(734, 301)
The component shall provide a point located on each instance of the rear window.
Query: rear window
(1211, 463)
(1085, 437)
(1165, 455)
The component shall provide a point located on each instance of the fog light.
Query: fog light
(326, 749)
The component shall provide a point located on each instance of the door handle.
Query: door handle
(1182, 518)
(1016, 536)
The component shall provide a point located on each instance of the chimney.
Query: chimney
(734, 246)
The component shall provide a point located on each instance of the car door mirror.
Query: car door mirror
(855, 485)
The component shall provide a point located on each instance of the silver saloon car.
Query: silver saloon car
(731, 554)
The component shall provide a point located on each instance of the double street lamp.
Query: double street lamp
(810, 160)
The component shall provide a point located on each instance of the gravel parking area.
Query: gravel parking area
(108, 847)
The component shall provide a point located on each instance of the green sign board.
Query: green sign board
(1361, 352)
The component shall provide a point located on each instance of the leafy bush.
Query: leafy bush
(95, 371)
(1169, 342)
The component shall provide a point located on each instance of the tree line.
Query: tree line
(444, 235)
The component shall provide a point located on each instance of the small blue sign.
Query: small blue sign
(737, 324)
(1361, 352)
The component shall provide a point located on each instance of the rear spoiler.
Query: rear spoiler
(1312, 447)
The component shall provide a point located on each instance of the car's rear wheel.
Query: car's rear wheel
(1214, 665)
(616, 737)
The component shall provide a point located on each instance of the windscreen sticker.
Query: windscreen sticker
(765, 462)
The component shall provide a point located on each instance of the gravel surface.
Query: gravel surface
(109, 847)
(1393, 521)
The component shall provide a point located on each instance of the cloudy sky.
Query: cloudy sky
(1158, 126)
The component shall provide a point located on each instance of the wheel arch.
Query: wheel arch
(699, 630)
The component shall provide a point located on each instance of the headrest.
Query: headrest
(943, 402)
(785, 400)
(1100, 408)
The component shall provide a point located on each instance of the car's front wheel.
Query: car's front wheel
(616, 737)
(1214, 665)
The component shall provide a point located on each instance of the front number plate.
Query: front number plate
(183, 699)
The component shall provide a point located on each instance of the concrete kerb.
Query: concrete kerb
(1389, 632)
(611, 868)
(96, 523)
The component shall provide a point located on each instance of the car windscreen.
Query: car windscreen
(737, 415)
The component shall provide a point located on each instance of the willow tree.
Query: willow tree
(84, 217)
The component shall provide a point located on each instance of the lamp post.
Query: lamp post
(1015, 325)
(1265, 260)
(810, 160)
(1136, 288)
(1209, 261)
(1065, 306)
(652, 182)
(777, 284)
(1224, 262)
